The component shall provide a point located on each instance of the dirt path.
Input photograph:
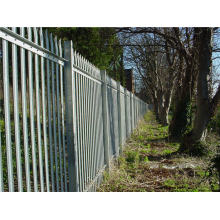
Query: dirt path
(151, 163)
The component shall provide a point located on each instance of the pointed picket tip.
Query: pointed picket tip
(56, 45)
(74, 54)
(47, 40)
(77, 59)
(80, 61)
(90, 68)
(35, 35)
(14, 29)
(84, 64)
(74, 57)
(29, 31)
(60, 48)
(41, 37)
(22, 31)
(51, 43)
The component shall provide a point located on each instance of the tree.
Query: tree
(206, 106)
(180, 40)
(98, 45)
(158, 64)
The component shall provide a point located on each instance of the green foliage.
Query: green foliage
(213, 172)
(149, 117)
(185, 185)
(214, 124)
(202, 173)
(167, 151)
(146, 159)
(99, 45)
(132, 157)
(169, 183)
(197, 149)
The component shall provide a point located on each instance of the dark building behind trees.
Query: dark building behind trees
(130, 80)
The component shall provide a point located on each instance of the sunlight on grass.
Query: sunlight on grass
(147, 164)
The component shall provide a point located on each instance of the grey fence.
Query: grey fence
(62, 120)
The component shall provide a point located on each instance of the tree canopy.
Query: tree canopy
(99, 45)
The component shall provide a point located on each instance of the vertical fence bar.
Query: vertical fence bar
(119, 117)
(37, 90)
(24, 115)
(98, 129)
(70, 118)
(94, 94)
(54, 115)
(79, 135)
(81, 97)
(83, 130)
(78, 112)
(58, 118)
(16, 115)
(126, 112)
(136, 111)
(86, 128)
(7, 115)
(136, 102)
(85, 146)
(1, 166)
(131, 111)
(31, 98)
(105, 119)
(49, 117)
(62, 116)
(44, 114)
(90, 127)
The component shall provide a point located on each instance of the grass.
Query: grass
(150, 163)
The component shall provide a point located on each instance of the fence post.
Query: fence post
(119, 117)
(126, 113)
(105, 119)
(70, 118)
(131, 106)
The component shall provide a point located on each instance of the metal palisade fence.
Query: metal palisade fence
(62, 120)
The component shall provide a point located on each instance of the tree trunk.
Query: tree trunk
(156, 111)
(164, 116)
(160, 100)
(166, 107)
(182, 113)
(203, 101)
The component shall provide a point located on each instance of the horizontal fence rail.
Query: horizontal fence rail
(62, 120)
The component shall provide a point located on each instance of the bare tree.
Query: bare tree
(156, 64)
(182, 41)
(206, 105)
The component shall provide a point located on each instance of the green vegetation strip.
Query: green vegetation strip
(151, 163)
